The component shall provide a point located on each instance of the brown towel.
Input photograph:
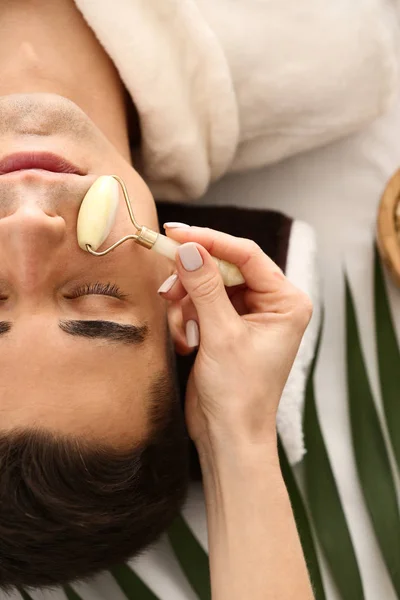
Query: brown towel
(291, 245)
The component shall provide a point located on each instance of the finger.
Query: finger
(203, 282)
(178, 329)
(259, 271)
(172, 289)
(190, 320)
(184, 323)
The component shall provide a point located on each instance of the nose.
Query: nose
(29, 241)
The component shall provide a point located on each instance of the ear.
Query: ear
(177, 328)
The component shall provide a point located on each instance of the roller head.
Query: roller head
(97, 212)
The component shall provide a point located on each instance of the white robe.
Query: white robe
(224, 85)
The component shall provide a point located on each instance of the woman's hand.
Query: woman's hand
(249, 335)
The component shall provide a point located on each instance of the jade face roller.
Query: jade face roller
(97, 215)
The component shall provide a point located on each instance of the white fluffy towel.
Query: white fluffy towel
(232, 84)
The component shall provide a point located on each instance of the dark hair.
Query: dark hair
(70, 508)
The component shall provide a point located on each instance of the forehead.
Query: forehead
(74, 386)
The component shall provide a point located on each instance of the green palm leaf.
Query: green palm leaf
(70, 593)
(370, 451)
(24, 594)
(388, 359)
(132, 586)
(303, 526)
(325, 505)
(191, 556)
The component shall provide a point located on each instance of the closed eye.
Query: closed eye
(102, 289)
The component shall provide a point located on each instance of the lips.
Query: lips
(46, 161)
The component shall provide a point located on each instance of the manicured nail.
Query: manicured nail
(175, 224)
(190, 256)
(192, 333)
(168, 283)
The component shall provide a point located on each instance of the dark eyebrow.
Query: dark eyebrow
(4, 326)
(107, 330)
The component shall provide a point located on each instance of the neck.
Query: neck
(46, 46)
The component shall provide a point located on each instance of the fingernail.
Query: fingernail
(174, 224)
(192, 333)
(190, 256)
(168, 283)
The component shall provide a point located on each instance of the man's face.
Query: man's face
(52, 375)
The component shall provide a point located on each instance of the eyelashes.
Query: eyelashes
(101, 289)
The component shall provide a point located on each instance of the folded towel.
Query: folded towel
(225, 85)
(291, 244)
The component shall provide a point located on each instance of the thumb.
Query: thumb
(203, 282)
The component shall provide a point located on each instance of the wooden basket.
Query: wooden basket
(388, 227)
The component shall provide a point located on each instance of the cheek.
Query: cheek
(141, 198)
(142, 206)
